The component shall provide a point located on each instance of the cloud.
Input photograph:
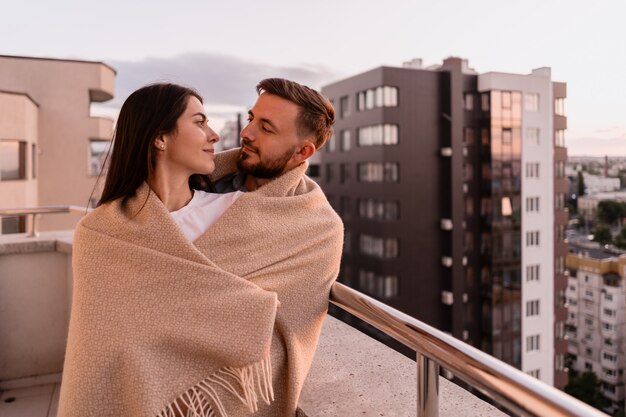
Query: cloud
(223, 80)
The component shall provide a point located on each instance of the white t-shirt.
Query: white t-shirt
(202, 211)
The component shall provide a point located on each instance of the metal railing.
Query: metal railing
(518, 392)
(515, 390)
(34, 213)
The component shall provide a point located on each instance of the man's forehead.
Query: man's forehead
(273, 107)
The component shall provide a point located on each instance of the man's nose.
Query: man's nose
(247, 132)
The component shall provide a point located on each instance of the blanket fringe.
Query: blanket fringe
(247, 384)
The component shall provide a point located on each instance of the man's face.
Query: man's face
(270, 139)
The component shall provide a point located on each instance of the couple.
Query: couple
(201, 280)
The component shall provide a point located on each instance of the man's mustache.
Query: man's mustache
(247, 144)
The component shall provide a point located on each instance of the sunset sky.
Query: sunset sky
(224, 48)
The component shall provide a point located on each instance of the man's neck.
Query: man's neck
(252, 183)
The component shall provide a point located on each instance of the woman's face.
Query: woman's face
(189, 149)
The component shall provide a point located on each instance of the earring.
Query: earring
(163, 147)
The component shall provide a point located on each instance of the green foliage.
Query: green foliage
(581, 184)
(611, 211)
(602, 234)
(620, 239)
(586, 387)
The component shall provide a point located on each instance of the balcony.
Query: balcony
(352, 374)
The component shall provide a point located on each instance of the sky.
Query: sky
(224, 48)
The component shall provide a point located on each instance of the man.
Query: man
(281, 234)
(287, 124)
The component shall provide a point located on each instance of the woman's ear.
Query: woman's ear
(159, 143)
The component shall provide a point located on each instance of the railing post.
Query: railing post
(33, 225)
(427, 387)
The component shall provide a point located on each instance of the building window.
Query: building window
(532, 169)
(607, 326)
(532, 204)
(386, 134)
(507, 136)
(469, 136)
(347, 242)
(12, 160)
(559, 264)
(379, 209)
(384, 96)
(532, 135)
(559, 169)
(33, 161)
(559, 106)
(378, 247)
(330, 172)
(379, 172)
(609, 357)
(532, 238)
(532, 308)
(532, 272)
(344, 173)
(559, 138)
(484, 101)
(344, 140)
(531, 102)
(344, 107)
(532, 343)
(13, 225)
(506, 99)
(535, 373)
(313, 171)
(610, 313)
(469, 101)
(608, 297)
(98, 150)
(331, 145)
(345, 208)
(382, 286)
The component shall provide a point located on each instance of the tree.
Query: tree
(602, 234)
(581, 184)
(620, 239)
(611, 211)
(586, 387)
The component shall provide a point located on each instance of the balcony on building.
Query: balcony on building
(352, 374)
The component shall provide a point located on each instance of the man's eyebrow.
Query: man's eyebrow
(264, 120)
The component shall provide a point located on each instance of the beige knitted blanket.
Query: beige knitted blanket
(224, 326)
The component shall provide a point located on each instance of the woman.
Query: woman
(154, 328)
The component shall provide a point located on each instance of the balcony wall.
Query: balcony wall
(35, 292)
(352, 374)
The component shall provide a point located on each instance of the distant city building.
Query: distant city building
(51, 150)
(596, 298)
(229, 135)
(598, 184)
(451, 186)
(588, 204)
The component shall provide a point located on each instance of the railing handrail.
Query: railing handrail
(33, 213)
(512, 388)
(24, 211)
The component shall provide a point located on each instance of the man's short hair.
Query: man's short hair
(316, 115)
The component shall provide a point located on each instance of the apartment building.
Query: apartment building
(451, 187)
(51, 149)
(596, 297)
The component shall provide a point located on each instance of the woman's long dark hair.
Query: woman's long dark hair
(147, 113)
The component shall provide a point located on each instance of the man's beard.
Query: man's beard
(264, 169)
